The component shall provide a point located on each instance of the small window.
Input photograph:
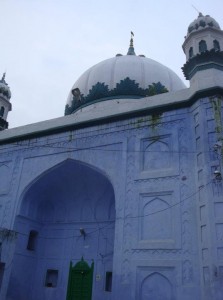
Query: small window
(202, 23)
(2, 110)
(108, 282)
(2, 269)
(51, 278)
(216, 45)
(191, 52)
(202, 46)
(32, 241)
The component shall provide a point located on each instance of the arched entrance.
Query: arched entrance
(66, 214)
(80, 281)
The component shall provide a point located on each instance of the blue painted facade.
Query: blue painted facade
(140, 188)
(136, 189)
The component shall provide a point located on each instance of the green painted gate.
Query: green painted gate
(80, 281)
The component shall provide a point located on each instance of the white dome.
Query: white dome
(202, 22)
(134, 74)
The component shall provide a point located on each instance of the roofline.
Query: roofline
(32, 130)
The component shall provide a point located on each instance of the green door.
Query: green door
(80, 281)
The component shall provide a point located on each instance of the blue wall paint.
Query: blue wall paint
(127, 169)
(68, 197)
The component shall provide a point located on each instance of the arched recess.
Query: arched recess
(56, 206)
(156, 287)
(216, 45)
(191, 52)
(156, 223)
(202, 46)
(157, 155)
(2, 111)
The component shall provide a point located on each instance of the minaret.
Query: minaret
(5, 105)
(203, 47)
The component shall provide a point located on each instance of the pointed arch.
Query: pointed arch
(156, 286)
(191, 52)
(56, 204)
(216, 45)
(64, 183)
(202, 46)
(156, 223)
(156, 155)
(2, 111)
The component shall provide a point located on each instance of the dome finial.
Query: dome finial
(199, 13)
(131, 40)
(131, 50)
(3, 77)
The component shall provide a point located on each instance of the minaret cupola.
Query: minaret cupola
(203, 47)
(5, 105)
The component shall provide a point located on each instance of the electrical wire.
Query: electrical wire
(97, 130)
(111, 222)
(99, 148)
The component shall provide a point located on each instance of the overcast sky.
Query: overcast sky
(47, 44)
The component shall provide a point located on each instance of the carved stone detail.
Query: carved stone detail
(158, 179)
(187, 272)
(186, 202)
(9, 203)
(158, 253)
(127, 232)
